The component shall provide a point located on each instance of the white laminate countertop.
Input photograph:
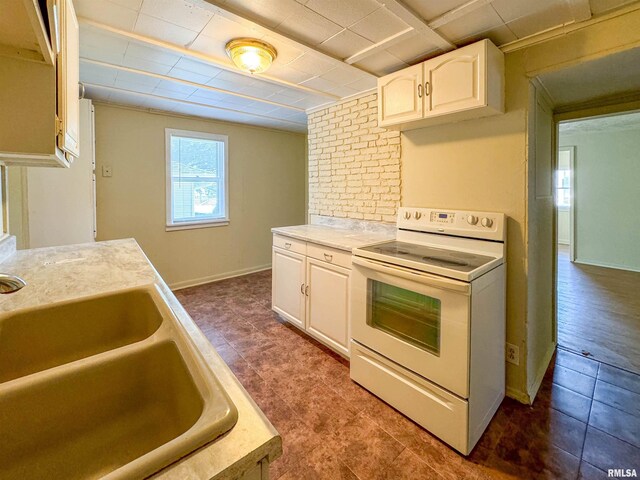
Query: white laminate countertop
(340, 238)
(63, 273)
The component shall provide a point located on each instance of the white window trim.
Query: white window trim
(218, 222)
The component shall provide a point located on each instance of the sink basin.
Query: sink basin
(135, 396)
(42, 338)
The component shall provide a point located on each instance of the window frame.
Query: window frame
(171, 225)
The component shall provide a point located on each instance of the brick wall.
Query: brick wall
(354, 166)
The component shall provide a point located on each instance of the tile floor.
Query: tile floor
(585, 420)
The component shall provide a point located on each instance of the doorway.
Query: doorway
(598, 238)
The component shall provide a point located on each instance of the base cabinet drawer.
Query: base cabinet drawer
(437, 410)
(290, 244)
(329, 255)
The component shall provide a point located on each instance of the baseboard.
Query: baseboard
(535, 386)
(215, 278)
(518, 395)
(607, 265)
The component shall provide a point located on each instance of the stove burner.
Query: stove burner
(426, 257)
(445, 260)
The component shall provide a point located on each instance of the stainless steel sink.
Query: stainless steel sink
(106, 387)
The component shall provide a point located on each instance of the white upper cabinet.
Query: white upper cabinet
(455, 81)
(462, 84)
(400, 96)
(68, 80)
(39, 83)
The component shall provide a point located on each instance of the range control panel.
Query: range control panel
(485, 225)
(443, 217)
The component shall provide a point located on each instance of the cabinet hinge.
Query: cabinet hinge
(58, 126)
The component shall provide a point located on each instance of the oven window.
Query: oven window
(409, 316)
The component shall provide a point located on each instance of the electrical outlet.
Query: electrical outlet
(513, 354)
(106, 171)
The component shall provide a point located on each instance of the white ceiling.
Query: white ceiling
(625, 121)
(169, 54)
(617, 74)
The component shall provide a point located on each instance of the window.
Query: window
(563, 177)
(197, 193)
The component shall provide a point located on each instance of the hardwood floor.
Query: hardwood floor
(599, 312)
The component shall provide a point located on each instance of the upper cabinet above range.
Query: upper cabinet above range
(458, 85)
(39, 66)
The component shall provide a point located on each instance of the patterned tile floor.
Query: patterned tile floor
(585, 420)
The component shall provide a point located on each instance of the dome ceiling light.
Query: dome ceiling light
(251, 55)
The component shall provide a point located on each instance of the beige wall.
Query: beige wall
(266, 189)
(607, 172)
(18, 222)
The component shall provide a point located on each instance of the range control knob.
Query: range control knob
(417, 215)
(407, 215)
(486, 222)
(472, 219)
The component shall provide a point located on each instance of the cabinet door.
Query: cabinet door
(68, 67)
(456, 81)
(328, 304)
(400, 96)
(287, 294)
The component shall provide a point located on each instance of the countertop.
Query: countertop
(336, 237)
(63, 273)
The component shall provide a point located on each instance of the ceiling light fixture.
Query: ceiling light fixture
(251, 55)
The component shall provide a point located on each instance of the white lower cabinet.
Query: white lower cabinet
(288, 283)
(312, 291)
(328, 304)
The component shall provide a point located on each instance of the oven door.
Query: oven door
(418, 320)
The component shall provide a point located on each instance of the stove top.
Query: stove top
(426, 255)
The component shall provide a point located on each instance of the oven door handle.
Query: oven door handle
(408, 274)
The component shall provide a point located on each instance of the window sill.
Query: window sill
(192, 226)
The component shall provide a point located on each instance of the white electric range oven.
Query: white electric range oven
(428, 320)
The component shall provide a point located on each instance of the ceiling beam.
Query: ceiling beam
(136, 37)
(231, 13)
(188, 83)
(418, 23)
(458, 12)
(580, 9)
(189, 102)
(381, 45)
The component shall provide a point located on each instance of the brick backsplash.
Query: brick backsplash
(354, 166)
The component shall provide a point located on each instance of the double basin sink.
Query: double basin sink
(103, 387)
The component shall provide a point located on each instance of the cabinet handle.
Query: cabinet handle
(419, 90)
(287, 245)
(306, 290)
(328, 257)
(427, 89)
(302, 289)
